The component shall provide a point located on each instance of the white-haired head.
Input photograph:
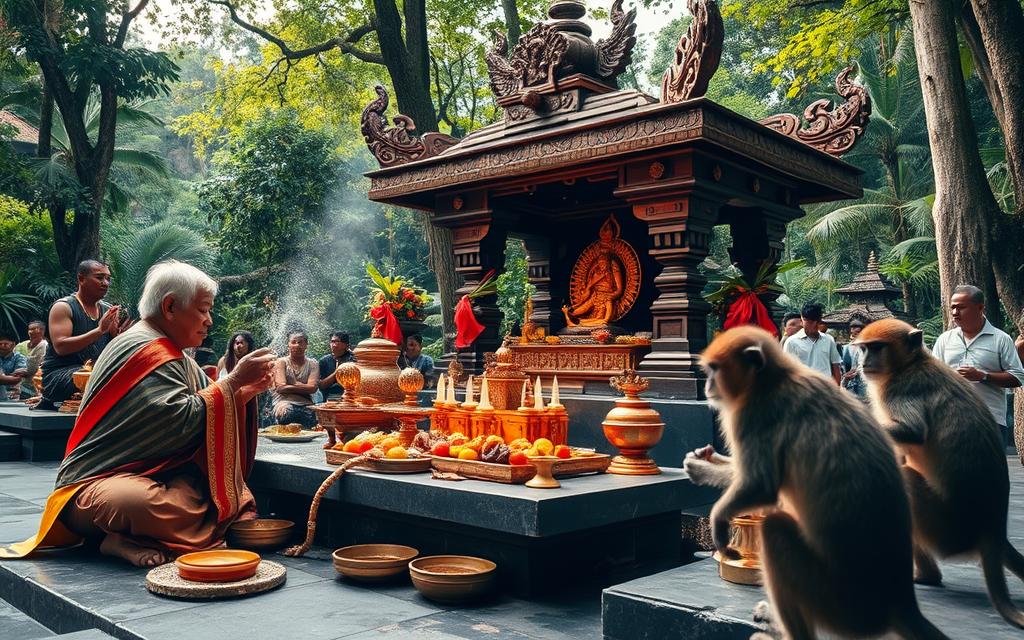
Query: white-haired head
(179, 280)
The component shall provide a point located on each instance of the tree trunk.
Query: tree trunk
(1001, 26)
(511, 21)
(442, 263)
(964, 208)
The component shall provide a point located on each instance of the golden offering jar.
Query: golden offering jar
(377, 360)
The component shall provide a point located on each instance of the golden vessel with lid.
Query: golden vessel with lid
(377, 359)
(632, 427)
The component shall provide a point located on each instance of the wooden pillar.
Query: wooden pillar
(680, 233)
(479, 247)
(757, 236)
(538, 272)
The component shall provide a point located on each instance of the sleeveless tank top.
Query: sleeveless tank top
(296, 377)
(80, 325)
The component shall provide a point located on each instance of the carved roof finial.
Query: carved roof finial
(697, 54)
(828, 129)
(397, 145)
(872, 263)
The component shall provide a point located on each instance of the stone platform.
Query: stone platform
(44, 434)
(76, 591)
(603, 528)
(692, 602)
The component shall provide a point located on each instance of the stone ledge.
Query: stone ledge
(44, 434)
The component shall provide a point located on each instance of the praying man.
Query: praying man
(157, 460)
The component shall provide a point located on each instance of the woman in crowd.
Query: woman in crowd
(241, 343)
(296, 379)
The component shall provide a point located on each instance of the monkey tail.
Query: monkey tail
(993, 555)
(1014, 561)
(914, 626)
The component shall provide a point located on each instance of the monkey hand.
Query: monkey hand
(704, 453)
(708, 471)
(720, 536)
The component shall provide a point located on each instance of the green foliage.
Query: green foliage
(269, 188)
(26, 240)
(132, 254)
(15, 307)
(513, 286)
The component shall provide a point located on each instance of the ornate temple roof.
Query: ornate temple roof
(870, 283)
(562, 111)
(868, 293)
(23, 131)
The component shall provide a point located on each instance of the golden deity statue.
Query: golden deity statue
(605, 281)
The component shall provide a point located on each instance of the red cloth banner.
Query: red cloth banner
(747, 308)
(467, 329)
(389, 329)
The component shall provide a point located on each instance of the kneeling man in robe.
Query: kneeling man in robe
(157, 460)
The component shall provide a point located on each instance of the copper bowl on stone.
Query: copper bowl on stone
(261, 533)
(452, 579)
(373, 562)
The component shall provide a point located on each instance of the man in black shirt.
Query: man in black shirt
(329, 364)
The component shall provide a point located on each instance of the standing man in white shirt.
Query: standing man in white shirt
(815, 349)
(981, 353)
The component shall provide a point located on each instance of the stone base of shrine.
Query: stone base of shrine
(601, 528)
(43, 434)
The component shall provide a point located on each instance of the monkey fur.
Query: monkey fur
(954, 460)
(836, 540)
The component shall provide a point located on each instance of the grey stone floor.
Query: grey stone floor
(75, 591)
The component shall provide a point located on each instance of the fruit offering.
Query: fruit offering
(382, 444)
(491, 448)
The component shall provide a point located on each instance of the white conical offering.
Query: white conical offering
(538, 396)
(452, 400)
(485, 397)
(469, 391)
(555, 400)
(522, 396)
(440, 389)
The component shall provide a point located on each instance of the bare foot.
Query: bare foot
(120, 547)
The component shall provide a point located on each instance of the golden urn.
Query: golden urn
(632, 427)
(348, 375)
(410, 381)
(745, 537)
(377, 360)
(37, 381)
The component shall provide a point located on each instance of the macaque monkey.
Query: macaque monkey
(836, 540)
(954, 461)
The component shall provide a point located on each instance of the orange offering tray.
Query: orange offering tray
(218, 565)
(580, 463)
(381, 465)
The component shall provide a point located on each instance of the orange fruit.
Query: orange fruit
(454, 450)
(563, 451)
(352, 446)
(468, 454)
(389, 443)
(397, 453)
(491, 439)
(543, 446)
(457, 440)
(476, 443)
(518, 458)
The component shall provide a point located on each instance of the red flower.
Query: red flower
(410, 313)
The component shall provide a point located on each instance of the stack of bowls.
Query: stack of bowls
(262, 533)
(373, 562)
(452, 579)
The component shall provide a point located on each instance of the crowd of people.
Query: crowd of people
(985, 356)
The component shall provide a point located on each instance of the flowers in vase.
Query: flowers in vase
(405, 300)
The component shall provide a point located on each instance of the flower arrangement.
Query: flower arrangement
(740, 301)
(406, 301)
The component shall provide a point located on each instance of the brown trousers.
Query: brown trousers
(171, 512)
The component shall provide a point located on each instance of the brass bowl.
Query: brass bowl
(80, 378)
(261, 533)
(452, 579)
(373, 562)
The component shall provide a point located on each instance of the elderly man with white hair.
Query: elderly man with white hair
(157, 460)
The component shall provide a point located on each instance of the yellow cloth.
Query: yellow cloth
(52, 533)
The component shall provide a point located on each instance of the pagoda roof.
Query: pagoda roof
(870, 282)
(23, 131)
(868, 312)
(607, 129)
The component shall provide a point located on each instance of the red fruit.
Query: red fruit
(441, 450)
(365, 446)
(518, 458)
(563, 451)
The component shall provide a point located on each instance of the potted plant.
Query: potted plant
(406, 302)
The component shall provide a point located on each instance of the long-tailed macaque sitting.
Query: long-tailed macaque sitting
(954, 460)
(836, 541)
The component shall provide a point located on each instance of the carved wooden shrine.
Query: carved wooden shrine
(572, 150)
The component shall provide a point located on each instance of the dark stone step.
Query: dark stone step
(15, 625)
(44, 434)
(10, 446)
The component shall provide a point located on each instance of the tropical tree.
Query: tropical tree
(894, 152)
(55, 174)
(81, 50)
(131, 255)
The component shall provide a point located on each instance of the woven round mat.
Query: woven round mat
(165, 581)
